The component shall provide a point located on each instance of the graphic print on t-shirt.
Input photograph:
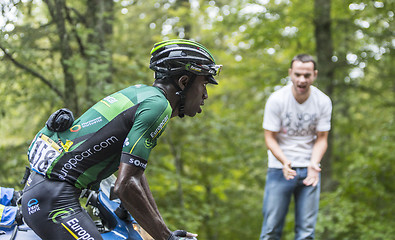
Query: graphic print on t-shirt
(300, 124)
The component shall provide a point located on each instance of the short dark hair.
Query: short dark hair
(304, 58)
(171, 78)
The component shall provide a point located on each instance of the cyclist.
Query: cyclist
(117, 133)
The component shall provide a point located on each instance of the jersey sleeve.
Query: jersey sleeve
(151, 119)
(272, 115)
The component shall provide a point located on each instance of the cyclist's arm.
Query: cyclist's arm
(132, 188)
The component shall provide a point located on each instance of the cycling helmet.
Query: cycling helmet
(175, 56)
(179, 56)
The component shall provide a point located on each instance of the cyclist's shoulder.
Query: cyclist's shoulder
(154, 108)
(152, 97)
(153, 105)
(140, 93)
(140, 90)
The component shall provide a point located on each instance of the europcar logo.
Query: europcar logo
(149, 143)
(59, 214)
(160, 127)
(76, 230)
(76, 159)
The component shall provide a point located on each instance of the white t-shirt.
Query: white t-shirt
(296, 123)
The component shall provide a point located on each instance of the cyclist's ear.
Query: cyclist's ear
(183, 81)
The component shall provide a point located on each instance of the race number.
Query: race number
(43, 152)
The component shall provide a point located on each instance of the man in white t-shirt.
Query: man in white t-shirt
(297, 121)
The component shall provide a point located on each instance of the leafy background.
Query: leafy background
(208, 173)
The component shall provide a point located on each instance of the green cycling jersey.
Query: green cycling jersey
(122, 127)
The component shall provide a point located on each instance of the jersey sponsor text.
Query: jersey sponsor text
(72, 162)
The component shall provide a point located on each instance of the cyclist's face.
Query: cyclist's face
(195, 96)
(302, 76)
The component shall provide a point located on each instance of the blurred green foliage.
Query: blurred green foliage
(208, 173)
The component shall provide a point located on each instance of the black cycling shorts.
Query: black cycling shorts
(52, 210)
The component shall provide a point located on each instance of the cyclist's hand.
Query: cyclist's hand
(313, 175)
(182, 234)
(288, 172)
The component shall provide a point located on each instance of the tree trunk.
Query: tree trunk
(324, 51)
(57, 10)
(100, 16)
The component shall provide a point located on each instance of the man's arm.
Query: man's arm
(319, 149)
(272, 145)
(132, 188)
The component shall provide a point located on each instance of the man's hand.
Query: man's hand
(313, 175)
(182, 234)
(288, 172)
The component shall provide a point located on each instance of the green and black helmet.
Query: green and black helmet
(175, 56)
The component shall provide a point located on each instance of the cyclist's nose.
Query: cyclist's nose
(205, 94)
